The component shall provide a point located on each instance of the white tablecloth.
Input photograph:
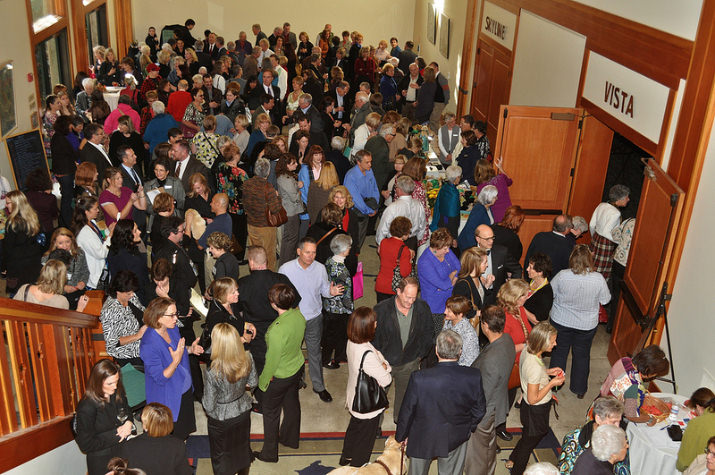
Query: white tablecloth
(651, 450)
(112, 97)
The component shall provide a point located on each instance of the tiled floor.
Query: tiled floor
(318, 416)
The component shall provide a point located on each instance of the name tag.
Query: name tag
(167, 187)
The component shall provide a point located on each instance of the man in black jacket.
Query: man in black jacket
(557, 244)
(500, 265)
(404, 334)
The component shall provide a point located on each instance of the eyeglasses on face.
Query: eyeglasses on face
(491, 238)
(171, 315)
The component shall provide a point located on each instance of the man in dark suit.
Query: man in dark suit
(254, 300)
(317, 137)
(266, 87)
(403, 356)
(94, 150)
(500, 265)
(204, 58)
(267, 105)
(311, 112)
(495, 362)
(557, 244)
(183, 279)
(406, 57)
(259, 34)
(186, 165)
(211, 47)
(442, 407)
(131, 178)
(340, 60)
(342, 104)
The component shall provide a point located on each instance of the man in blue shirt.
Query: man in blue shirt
(311, 280)
(360, 182)
(221, 222)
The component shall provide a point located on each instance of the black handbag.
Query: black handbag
(369, 395)
(397, 272)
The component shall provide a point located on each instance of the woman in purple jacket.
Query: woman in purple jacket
(166, 364)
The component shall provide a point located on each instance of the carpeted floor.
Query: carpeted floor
(319, 453)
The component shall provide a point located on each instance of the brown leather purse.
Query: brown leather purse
(275, 219)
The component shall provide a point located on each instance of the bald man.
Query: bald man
(221, 223)
(500, 265)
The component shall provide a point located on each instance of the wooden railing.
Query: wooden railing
(46, 355)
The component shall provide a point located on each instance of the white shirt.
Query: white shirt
(411, 95)
(282, 80)
(183, 163)
(104, 153)
(264, 54)
(339, 102)
(402, 206)
(362, 133)
(576, 299)
(604, 219)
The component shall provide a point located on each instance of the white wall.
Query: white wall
(376, 20)
(678, 18)
(541, 76)
(16, 48)
(64, 460)
(690, 315)
(456, 11)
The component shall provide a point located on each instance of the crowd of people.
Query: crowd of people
(284, 155)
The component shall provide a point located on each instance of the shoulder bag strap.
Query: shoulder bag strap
(325, 235)
(27, 290)
(362, 360)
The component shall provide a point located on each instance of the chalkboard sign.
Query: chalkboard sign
(27, 152)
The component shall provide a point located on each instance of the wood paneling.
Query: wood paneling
(492, 82)
(650, 255)
(123, 21)
(695, 122)
(467, 57)
(533, 224)
(591, 166)
(34, 442)
(538, 147)
(660, 55)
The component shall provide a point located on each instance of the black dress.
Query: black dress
(96, 431)
(156, 455)
(540, 302)
(135, 263)
(21, 255)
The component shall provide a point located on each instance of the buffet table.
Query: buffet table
(651, 450)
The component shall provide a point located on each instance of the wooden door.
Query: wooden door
(492, 81)
(537, 146)
(651, 250)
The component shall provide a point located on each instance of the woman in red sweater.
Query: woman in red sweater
(392, 249)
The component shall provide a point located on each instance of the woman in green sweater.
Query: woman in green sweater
(282, 374)
(699, 430)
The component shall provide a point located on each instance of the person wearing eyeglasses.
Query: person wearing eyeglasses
(500, 264)
(704, 464)
(480, 214)
(166, 364)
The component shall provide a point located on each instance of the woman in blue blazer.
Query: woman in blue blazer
(480, 214)
(166, 364)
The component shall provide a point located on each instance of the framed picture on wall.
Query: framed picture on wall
(444, 36)
(8, 120)
(431, 24)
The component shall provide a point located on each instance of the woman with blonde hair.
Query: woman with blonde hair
(388, 88)
(49, 287)
(109, 70)
(469, 283)
(22, 245)
(127, 135)
(319, 190)
(63, 245)
(341, 196)
(224, 309)
(227, 404)
(536, 387)
(578, 292)
(156, 450)
(66, 107)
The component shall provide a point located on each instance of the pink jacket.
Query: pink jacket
(110, 124)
